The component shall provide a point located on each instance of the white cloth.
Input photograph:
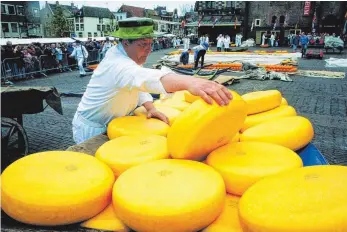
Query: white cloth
(220, 42)
(117, 86)
(80, 66)
(80, 52)
(263, 37)
(106, 46)
(227, 42)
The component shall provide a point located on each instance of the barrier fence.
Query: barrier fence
(20, 68)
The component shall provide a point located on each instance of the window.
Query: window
(95, 34)
(80, 34)
(3, 9)
(98, 27)
(11, 10)
(100, 20)
(120, 17)
(89, 34)
(4, 27)
(108, 28)
(273, 19)
(14, 27)
(20, 10)
(71, 24)
(103, 27)
(77, 27)
(117, 16)
(36, 12)
(229, 4)
(257, 22)
(282, 18)
(82, 27)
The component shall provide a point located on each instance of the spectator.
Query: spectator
(107, 45)
(304, 42)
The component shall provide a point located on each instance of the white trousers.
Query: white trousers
(80, 66)
(83, 129)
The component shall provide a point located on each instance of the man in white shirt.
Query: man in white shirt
(80, 53)
(220, 42)
(107, 45)
(226, 43)
(119, 84)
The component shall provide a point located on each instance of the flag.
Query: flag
(313, 20)
(252, 26)
(274, 28)
(183, 23)
(235, 22)
(285, 24)
(200, 18)
(215, 21)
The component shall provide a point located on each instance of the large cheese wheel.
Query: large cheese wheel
(179, 95)
(228, 220)
(293, 132)
(202, 128)
(106, 220)
(261, 101)
(284, 102)
(180, 105)
(190, 97)
(136, 125)
(169, 195)
(243, 164)
(56, 188)
(309, 199)
(127, 151)
(170, 113)
(279, 112)
(236, 138)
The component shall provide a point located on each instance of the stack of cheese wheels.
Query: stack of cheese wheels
(261, 101)
(190, 97)
(177, 104)
(56, 188)
(170, 112)
(179, 95)
(308, 199)
(106, 220)
(236, 138)
(293, 132)
(136, 125)
(202, 128)
(127, 151)
(278, 112)
(169, 195)
(243, 164)
(228, 220)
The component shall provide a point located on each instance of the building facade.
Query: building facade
(21, 19)
(220, 17)
(283, 18)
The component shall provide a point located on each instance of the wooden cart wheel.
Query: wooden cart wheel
(14, 141)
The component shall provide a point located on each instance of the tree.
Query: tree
(59, 25)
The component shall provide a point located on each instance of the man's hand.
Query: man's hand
(153, 113)
(209, 89)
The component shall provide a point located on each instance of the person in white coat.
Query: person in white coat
(220, 42)
(107, 45)
(272, 39)
(119, 84)
(226, 43)
(80, 53)
(263, 39)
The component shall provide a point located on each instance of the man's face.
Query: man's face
(139, 50)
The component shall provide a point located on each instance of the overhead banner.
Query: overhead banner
(307, 8)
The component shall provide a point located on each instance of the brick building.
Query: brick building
(283, 18)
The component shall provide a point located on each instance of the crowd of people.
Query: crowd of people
(31, 60)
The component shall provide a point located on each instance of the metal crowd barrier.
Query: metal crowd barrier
(22, 68)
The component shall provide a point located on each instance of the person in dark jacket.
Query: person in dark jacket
(184, 58)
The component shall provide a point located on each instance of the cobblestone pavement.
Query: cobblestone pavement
(323, 101)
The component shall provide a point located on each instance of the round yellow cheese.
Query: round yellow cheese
(228, 220)
(261, 101)
(169, 195)
(179, 95)
(293, 132)
(106, 220)
(136, 125)
(236, 138)
(125, 152)
(180, 105)
(308, 199)
(278, 112)
(284, 102)
(202, 128)
(56, 188)
(190, 97)
(170, 113)
(243, 164)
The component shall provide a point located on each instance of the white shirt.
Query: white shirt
(207, 40)
(220, 41)
(227, 42)
(117, 86)
(106, 46)
(80, 52)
